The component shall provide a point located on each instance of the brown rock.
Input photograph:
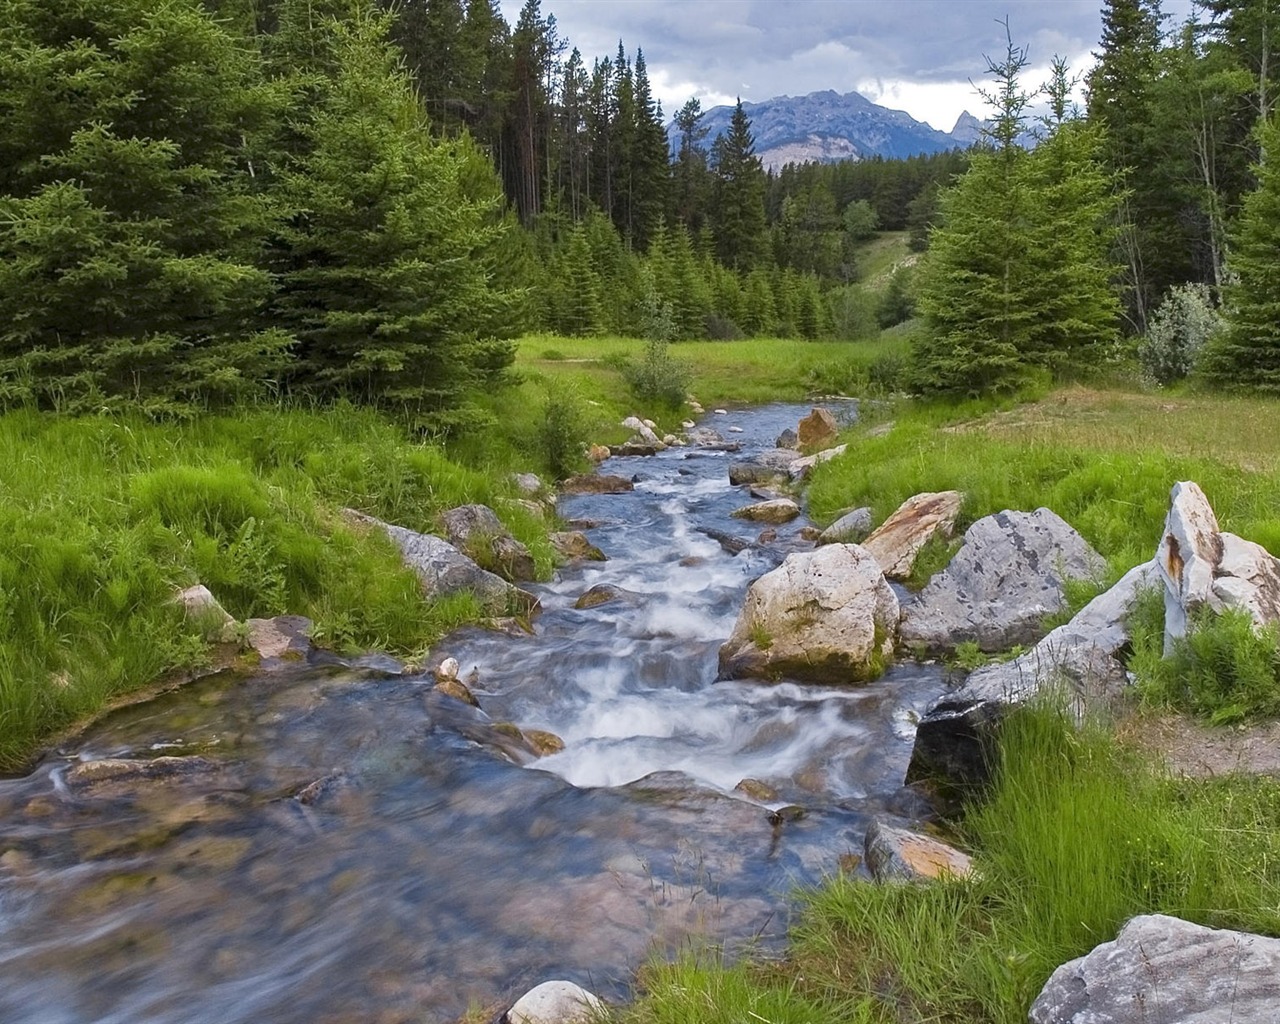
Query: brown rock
(899, 538)
(817, 429)
(574, 544)
(543, 742)
(894, 854)
(597, 483)
(776, 512)
(757, 790)
(457, 690)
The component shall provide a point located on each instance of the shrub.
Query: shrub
(888, 374)
(562, 428)
(721, 328)
(659, 377)
(1179, 330)
(1223, 670)
(853, 313)
(898, 303)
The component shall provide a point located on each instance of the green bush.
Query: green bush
(659, 377)
(1224, 670)
(562, 429)
(1182, 325)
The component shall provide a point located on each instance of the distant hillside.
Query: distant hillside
(827, 127)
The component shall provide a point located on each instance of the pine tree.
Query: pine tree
(738, 219)
(1249, 353)
(651, 159)
(386, 260)
(129, 220)
(582, 312)
(692, 179)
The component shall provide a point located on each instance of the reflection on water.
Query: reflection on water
(353, 847)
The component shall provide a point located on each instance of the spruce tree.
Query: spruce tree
(1248, 354)
(387, 255)
(129, 218)
(738, 219)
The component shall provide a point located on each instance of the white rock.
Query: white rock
(735, 430)
(556, 1002)
(448, 669)
(721, 412)
(1167, 970)
(799, 469)
(825, 615)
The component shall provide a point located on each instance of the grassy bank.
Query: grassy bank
(104, 517)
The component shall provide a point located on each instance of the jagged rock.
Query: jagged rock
(1205, 568)
(787, 439)
(800, 469)
(897, 541)
(544, 743)
(453, 687)
(643, 430)
(604, 593)
(773, 464)
(733, 545)
(199, 605)
(818, 428)
(825, 616)
(285, 637)
(1009, 573)
(574, 544)
(556, 1002)
(1168, 970)
(478, 533)
(597, 453)
(848, 529)
(954, 736)
(896, 855)
(442, 569)
(776, 511)
(597, 483)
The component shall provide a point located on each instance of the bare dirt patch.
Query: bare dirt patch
(1191, 749)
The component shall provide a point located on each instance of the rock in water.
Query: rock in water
(1010, 572)
(573, 544)
(787, 439)
(776, 511)
(597, 483)
(764, 467)
(556, 1002)
(896, 855)
(1165, 969)
(899, 538)
(817, 429)
(823, 616)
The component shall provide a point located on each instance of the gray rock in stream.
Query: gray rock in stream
(1010, 572)
(773, 464)
(477, 532)
(1167, 970)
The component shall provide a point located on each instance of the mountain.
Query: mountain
(827, 127)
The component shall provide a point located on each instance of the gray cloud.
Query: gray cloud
(922, 52)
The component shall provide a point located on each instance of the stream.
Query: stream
(354, 847)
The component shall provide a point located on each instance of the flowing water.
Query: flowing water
(355, 847)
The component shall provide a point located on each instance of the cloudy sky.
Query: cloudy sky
(913, 55)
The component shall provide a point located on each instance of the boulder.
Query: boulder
(201, 607)
(556, 1002)
(817, 429)
(573, 544)
(776, 511)
(597, 453)
(848, 529)
(1010, 572)
(800, 468)
(897, 541)
(896, 855)
(442, 569)
(1203, 568)
(825, 615)
(604, 593)
(543, 743)
(772, 464)
(597, 483)
(453, 687)
(953, 737)
(528, 484)
(787, 439)
(643, 430)
(1168, 970)
(477, 532)
(634, 448)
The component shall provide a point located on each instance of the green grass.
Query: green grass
(103, 517)
(1076, 837)
(1094, 472)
